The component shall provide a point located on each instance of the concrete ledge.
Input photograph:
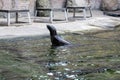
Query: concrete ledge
(98, 22)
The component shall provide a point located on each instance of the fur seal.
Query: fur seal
(56, 40)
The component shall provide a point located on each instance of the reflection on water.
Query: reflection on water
(93, 56)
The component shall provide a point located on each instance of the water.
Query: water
(93, 56)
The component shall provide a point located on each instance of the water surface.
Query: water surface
(94, 55)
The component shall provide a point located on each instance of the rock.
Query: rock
(106, 23)
(69, 3)
(75, 2)
(49, 4)
(119, 4)
(18, 4)
(109, 5)
(43, 4)
(95, 4)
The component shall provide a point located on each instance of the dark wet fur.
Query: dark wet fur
(56, 40)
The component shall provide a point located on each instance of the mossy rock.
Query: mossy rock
(43, 13)
(43, 4)
(49, 4)
(72, 3)
(69, 3)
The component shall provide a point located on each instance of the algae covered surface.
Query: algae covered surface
(92, 56)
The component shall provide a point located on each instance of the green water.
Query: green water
(94, 55)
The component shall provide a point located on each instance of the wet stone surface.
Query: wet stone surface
(94, 55)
